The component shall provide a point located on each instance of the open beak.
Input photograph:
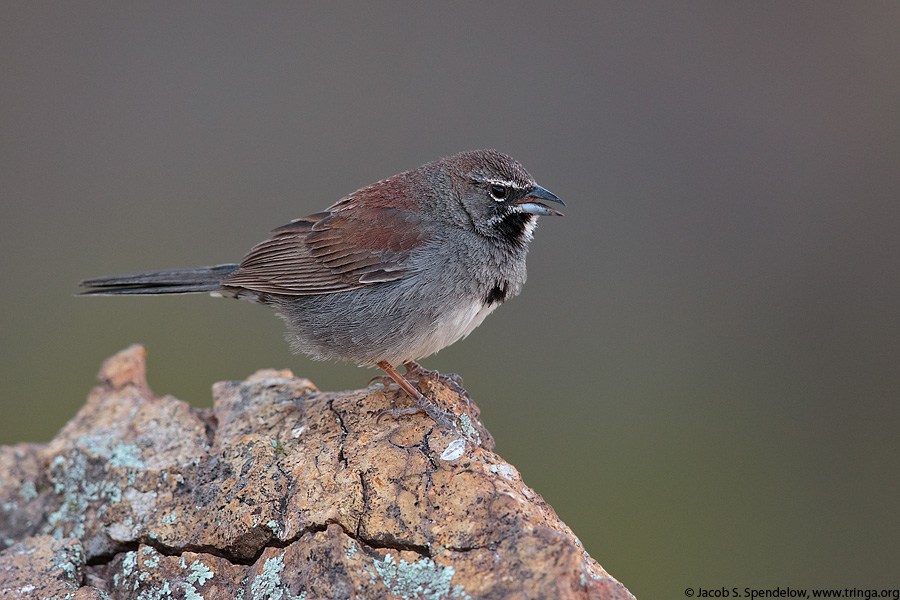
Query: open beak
(531, 205)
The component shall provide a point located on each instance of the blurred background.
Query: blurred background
(701, 374)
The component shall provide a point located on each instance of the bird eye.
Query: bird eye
(499, 192)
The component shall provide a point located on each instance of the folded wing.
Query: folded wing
(332, 251)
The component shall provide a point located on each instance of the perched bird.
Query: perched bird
(391, 273)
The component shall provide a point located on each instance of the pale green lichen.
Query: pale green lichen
(153, 561)
(70, 561)
(157, 593)
(163, 592)
(116, 453)
(79, 493)
(274, 527)
(588, 573)
(421, 579)
(349, 551)
(28, 491)
(465, 426)
(129, 563)
(190, 593)
(268, 585)
(111, 492)
(200, 573)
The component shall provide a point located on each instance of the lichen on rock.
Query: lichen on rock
(280, 491)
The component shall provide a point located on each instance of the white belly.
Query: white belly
(456, 325)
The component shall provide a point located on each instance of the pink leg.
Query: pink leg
(425, 405)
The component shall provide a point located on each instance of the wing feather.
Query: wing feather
(347, 247)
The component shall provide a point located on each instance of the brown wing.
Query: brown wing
(346, 247)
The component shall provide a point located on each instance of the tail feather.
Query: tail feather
(170, 281)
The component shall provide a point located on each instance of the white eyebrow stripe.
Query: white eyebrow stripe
(505, 183)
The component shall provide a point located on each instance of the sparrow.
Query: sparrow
(388, 275)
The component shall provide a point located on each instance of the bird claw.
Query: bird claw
(396, 413)
(457, 379)
(442, 418)
(384, 380)
(417, 371)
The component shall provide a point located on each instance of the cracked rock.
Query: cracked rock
(279, 491)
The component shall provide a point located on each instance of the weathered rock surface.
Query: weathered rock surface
(280, 491)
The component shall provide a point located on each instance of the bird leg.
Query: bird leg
(441, 417)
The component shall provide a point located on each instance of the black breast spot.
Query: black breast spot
(512, 227)
(497, 294)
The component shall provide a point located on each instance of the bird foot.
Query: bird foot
(396, 413)
(416, 371)
(443, 418)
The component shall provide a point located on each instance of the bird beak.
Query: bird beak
(529, 203)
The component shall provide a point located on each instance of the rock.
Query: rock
(279, 492)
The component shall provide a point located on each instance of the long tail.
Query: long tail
(170, 281)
